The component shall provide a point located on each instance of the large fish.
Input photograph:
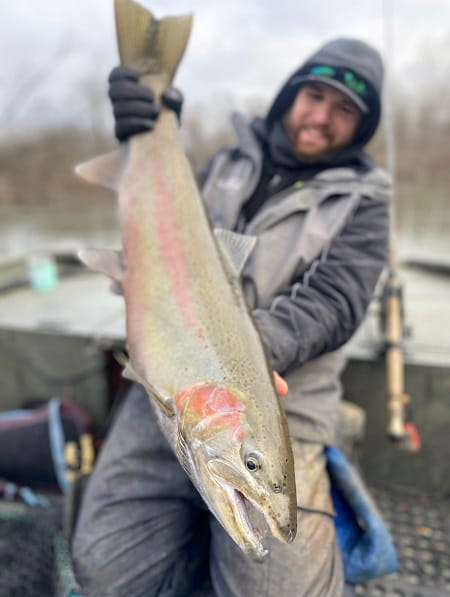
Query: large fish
(191, 340)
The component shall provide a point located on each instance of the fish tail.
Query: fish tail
(149, 45)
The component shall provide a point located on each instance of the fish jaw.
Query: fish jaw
(238, 487)
(252, 545)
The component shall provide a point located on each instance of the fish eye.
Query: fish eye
(253, 463)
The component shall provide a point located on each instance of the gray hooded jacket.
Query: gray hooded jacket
(322, 243)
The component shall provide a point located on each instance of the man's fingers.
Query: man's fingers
(280, 384)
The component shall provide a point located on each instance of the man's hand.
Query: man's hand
(280, 384)
(134, 107)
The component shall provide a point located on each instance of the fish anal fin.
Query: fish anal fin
(105, 170)
(236, 247)
(130, 373)
(151, 46)
(104, 261)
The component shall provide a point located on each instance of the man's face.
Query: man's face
(321, 121)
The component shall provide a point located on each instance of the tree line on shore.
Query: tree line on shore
(39, 169)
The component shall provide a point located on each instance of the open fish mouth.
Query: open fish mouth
(251, 537)
(249, 509)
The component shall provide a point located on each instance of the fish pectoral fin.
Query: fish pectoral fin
(164, 403)
(236, 247)
(104, 261)
(105, 170)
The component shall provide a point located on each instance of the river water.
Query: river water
(63, 227)
(67, 227)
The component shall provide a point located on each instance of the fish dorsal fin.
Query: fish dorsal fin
(236, 247)
(104, 261)
(149, 45)
(130, 373)
(105, 170)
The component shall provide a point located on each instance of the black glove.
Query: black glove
(134, 105)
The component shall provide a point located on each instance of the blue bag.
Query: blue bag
(366, 545)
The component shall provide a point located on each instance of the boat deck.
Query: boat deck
(82, 305)
(37, 553)
(420, 527)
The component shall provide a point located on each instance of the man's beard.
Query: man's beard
(327, 155)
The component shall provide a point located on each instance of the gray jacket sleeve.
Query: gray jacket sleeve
(320, 311)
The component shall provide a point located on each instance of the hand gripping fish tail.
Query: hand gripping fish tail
(191, 340)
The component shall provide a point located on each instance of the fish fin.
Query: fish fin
(130, 373)
(183, 454)
(236, 247)
(105, 170)
(149, 45)
(116, 288)
(104, 261)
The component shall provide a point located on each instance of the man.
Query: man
(300, 182)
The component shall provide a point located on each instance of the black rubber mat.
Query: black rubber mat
(420, 527)
(419, 524)
(26, 550)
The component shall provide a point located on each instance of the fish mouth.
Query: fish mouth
(250, 519)
(239, 504)
(251, 507)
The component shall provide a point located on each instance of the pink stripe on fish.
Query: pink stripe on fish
(171, 247)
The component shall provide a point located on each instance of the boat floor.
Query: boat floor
(420, 527)
(36, 554)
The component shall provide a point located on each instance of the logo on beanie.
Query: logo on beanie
(344, 76)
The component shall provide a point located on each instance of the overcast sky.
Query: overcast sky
(56, 54)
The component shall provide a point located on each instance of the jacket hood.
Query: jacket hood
(343, 53)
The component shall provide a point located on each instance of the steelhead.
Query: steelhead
(191, 340)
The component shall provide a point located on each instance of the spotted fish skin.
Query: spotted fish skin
(191, 340)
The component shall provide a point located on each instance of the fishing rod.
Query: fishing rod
(400, 426)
